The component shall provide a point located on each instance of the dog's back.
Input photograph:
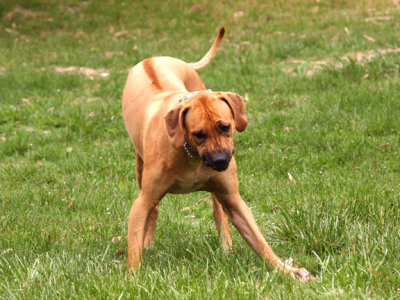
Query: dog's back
(167, 73)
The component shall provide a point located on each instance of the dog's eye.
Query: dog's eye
(200, 135)
(224, 128)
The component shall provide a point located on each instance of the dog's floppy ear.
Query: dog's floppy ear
(174, 121)
(236, 104)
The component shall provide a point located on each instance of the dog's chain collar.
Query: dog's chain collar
(192, 153)
(190, 95)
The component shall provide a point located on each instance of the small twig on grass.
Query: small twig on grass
(71, 202)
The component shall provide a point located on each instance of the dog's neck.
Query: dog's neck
(192, 153)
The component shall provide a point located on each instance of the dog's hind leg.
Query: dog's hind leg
(222, 224)
(139, 170)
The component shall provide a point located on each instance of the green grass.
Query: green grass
(67, 165)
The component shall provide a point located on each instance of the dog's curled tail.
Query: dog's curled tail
(210, 54)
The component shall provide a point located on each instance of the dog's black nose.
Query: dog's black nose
(220, 161)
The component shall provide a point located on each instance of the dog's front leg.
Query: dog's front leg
(138, 216)
(243, 220)
(150, 228)
(144, 211)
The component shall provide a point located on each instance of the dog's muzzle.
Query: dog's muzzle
(218, 161)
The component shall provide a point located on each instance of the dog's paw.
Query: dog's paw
(303, 275)
(300, 273)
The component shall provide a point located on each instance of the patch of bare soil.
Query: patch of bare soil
(359, 56)
(83, 70)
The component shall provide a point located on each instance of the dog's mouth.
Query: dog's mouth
(218, 162)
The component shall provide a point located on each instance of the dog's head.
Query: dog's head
(207, 123)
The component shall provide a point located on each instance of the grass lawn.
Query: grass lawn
(321, 79)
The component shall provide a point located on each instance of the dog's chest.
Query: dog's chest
(180, 187)
(192, 180)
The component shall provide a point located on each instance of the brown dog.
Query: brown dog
(183, 136)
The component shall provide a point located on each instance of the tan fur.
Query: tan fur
(158, 126)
